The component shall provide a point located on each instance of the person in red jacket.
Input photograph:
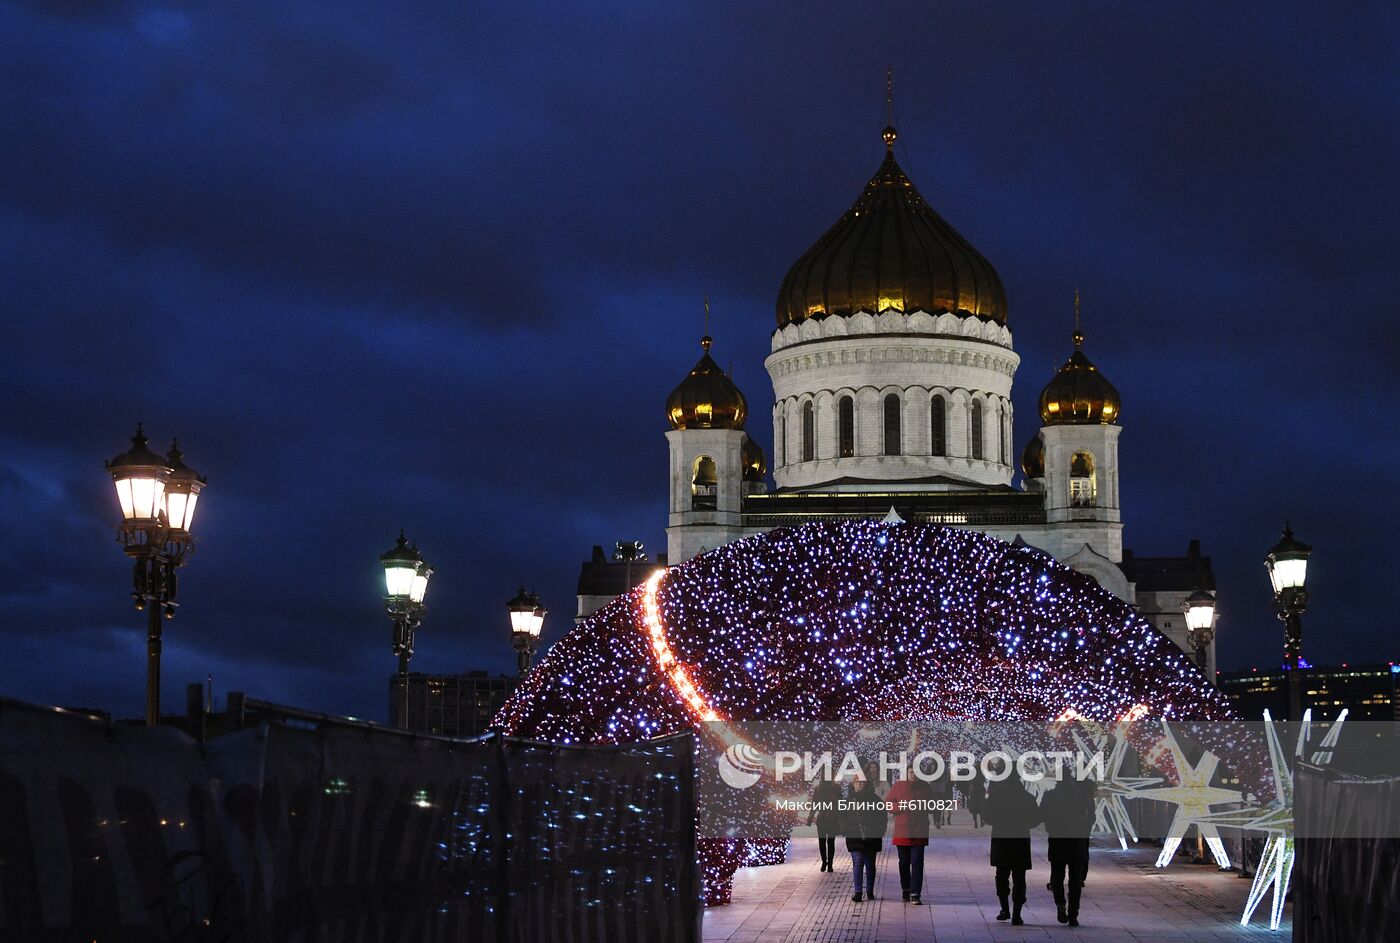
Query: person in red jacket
(910, 800)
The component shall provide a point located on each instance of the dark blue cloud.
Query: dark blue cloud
(438, 268)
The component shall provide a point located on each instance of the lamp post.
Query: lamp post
(526, 621)
(1287, 564)
(1199, 608)
(405, 586)
(157, 496)
(629, 552)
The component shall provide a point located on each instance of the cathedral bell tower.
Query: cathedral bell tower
(1079, 442)
(1073, 463)
(713, 461)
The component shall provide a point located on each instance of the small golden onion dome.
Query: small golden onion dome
(1033, 458)
(890, 251)
(707, 398)
(754, 461)
(1079, 394)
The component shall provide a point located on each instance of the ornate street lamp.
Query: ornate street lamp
(400, 564)
(629, 552)
(526, 621)
(419, 587)
(1199, 608)
(1287, 564)
(405, 586)
(157, 496)
(182, 490)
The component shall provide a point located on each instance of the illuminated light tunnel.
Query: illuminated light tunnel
(854, 620)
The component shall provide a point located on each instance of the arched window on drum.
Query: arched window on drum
(846, 427)
(892, 426)
(1003, 435)
(809, 432)
(938, 425)
(977, 430)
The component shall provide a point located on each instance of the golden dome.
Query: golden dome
(890, 250)
(1079, 394)
(707, 398)
(1033, 458)
(754, 461)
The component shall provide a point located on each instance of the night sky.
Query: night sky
(438, 270)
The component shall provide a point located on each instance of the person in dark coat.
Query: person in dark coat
(909, 806)
(864, 826)
(1068, 811)
(824, 812)
(975, 791)
(1012, 813)
(942, 789)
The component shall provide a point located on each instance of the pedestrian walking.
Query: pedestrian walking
(942, 798)
(825, 798)
(975, 791)
(1068, 811)
(910, 803)
(864, 826)
(1012, 813)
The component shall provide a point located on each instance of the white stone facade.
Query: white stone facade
(1065, 443)
(699, 521)
(966, 363)
(1164, 611)
(914, 358)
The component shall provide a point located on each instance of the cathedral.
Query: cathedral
(892, 362)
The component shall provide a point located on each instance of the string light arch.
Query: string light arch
(855, 620)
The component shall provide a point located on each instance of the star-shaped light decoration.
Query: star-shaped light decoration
(1193, 795)
(1110, 814)
(1276, 864)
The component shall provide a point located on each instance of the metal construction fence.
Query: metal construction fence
(281, 833)
(1346, 881)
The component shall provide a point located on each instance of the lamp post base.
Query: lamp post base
(1293, 658)
(153, 632)
(403, 701)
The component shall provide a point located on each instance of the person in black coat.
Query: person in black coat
(864, 825)
(824, 812)
(1012, 813)
(975, 791)
(1068, 811)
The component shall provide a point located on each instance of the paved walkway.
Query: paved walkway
(1126, 900)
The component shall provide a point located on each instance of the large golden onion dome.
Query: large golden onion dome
(707, 398)
(1033, 458)
(890, 250)
(1079, 394)
(754, 461)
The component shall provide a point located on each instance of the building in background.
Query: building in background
(601, 580)
(1160, 587)
(460, 705)
(1367, 692)
(892, 365)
